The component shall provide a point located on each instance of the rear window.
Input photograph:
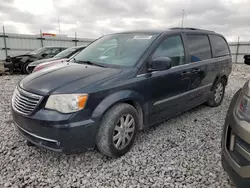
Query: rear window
(219, 46)
(199, 47)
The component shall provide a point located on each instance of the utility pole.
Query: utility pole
(41, 38)
(75, 40)
(59, 29)
(5, 44)
(182, 20)
(237, 50)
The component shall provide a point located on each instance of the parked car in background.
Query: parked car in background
(20, 62)
(62, 62)
(62, 56)
(102, 52)
(236, 138)
(247, 59)
(103, 100)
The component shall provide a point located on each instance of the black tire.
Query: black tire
(29, 70)
(110, 121)
(213, 102)
(24, 68)
(11, 71)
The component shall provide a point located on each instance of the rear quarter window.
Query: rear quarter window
(219, 46)
(199, 47)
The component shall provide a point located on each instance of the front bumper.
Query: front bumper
(236, 147)
(239, 181)
(8, 65)
(58, 133)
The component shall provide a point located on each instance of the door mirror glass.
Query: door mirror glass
(160, 64)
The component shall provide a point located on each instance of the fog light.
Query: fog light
(232, 142)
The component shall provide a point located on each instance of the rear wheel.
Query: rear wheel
(218, 93)
(117, 130)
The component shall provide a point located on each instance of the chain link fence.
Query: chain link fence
(239, 49)
(15, 44)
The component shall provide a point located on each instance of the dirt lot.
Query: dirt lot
(181, 152)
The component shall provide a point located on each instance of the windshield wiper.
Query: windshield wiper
(90, 63)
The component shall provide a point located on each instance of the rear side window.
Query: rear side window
(219, 46)
(199, 47)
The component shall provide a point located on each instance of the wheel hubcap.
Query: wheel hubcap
(124, 131)
(218, 92)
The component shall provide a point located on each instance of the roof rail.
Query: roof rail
(189, 28)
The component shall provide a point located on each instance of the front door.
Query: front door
(168, 87)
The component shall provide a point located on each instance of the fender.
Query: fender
(118, 97)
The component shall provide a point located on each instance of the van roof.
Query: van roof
(159, 31)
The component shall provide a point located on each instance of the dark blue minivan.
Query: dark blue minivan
(120, 84)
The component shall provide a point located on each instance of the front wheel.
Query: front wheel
(24, 68)
(117, 130)
(218, 93)
(29, 69)
(11, 70)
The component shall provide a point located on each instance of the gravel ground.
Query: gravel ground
(181, 152)
(1, 68)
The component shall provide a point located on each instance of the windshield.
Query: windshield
(66, 53)
(117, 49)
(38, 51)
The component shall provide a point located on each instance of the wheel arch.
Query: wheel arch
(218, 77)
(132, 98)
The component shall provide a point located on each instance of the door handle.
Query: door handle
(196, 70)
(185, 73)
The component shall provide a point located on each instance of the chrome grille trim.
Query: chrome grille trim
(25, 102)
(25, 99)
(36, 136)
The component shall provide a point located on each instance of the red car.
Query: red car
(59, 58)
(57, 63)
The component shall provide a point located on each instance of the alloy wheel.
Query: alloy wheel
(218, 92)
(123, 131)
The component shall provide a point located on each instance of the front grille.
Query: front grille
(25, 102)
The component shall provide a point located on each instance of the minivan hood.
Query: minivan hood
(66, 79)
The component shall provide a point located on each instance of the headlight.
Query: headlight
(244, 105)
(67, 103)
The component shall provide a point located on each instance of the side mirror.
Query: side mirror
(160, 64)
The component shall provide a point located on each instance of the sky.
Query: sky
(93, 18)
